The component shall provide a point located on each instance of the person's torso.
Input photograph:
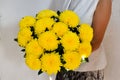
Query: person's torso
(85, 10)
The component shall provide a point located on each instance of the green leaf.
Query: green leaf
(85, 60)
(55, 18)
(16, 39)
(40, 72)
(25, 55)
(78, 26)
(23, 50)
(60, 49)
(33, 33)
(63, 70)
(62, 61)
(47, 51)
(46, 29)
(36, 15)
(75, 30)
(58, 12)
(58, 38)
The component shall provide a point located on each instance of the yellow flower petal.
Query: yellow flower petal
(51, 63)
(70, 18)
(34, 48)
(85, 49)
(60, 28)
(42, 24)
(48, 40)
(46, 14)
(24, 36)
(33, 63)
(86, 32)
(70, 41)
(72, 59)
(27, 21)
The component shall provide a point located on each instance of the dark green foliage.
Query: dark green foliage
(40, 72)
(60, 49)
(16, 39)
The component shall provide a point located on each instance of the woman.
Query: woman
(97, 14)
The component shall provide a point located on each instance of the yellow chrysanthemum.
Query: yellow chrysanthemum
(48, 40)
(70, 41)
(70, 18)
(34, 48)
(46, 13)
(27, 21)
(33, 62)
(24, 36)
(86, 32)
(51, 63)
(85, 49)
(60, 28)
(72, 60)
(42, 24)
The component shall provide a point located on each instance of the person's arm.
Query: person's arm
(100, 21)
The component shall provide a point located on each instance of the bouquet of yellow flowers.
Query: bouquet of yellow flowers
(53, 41)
